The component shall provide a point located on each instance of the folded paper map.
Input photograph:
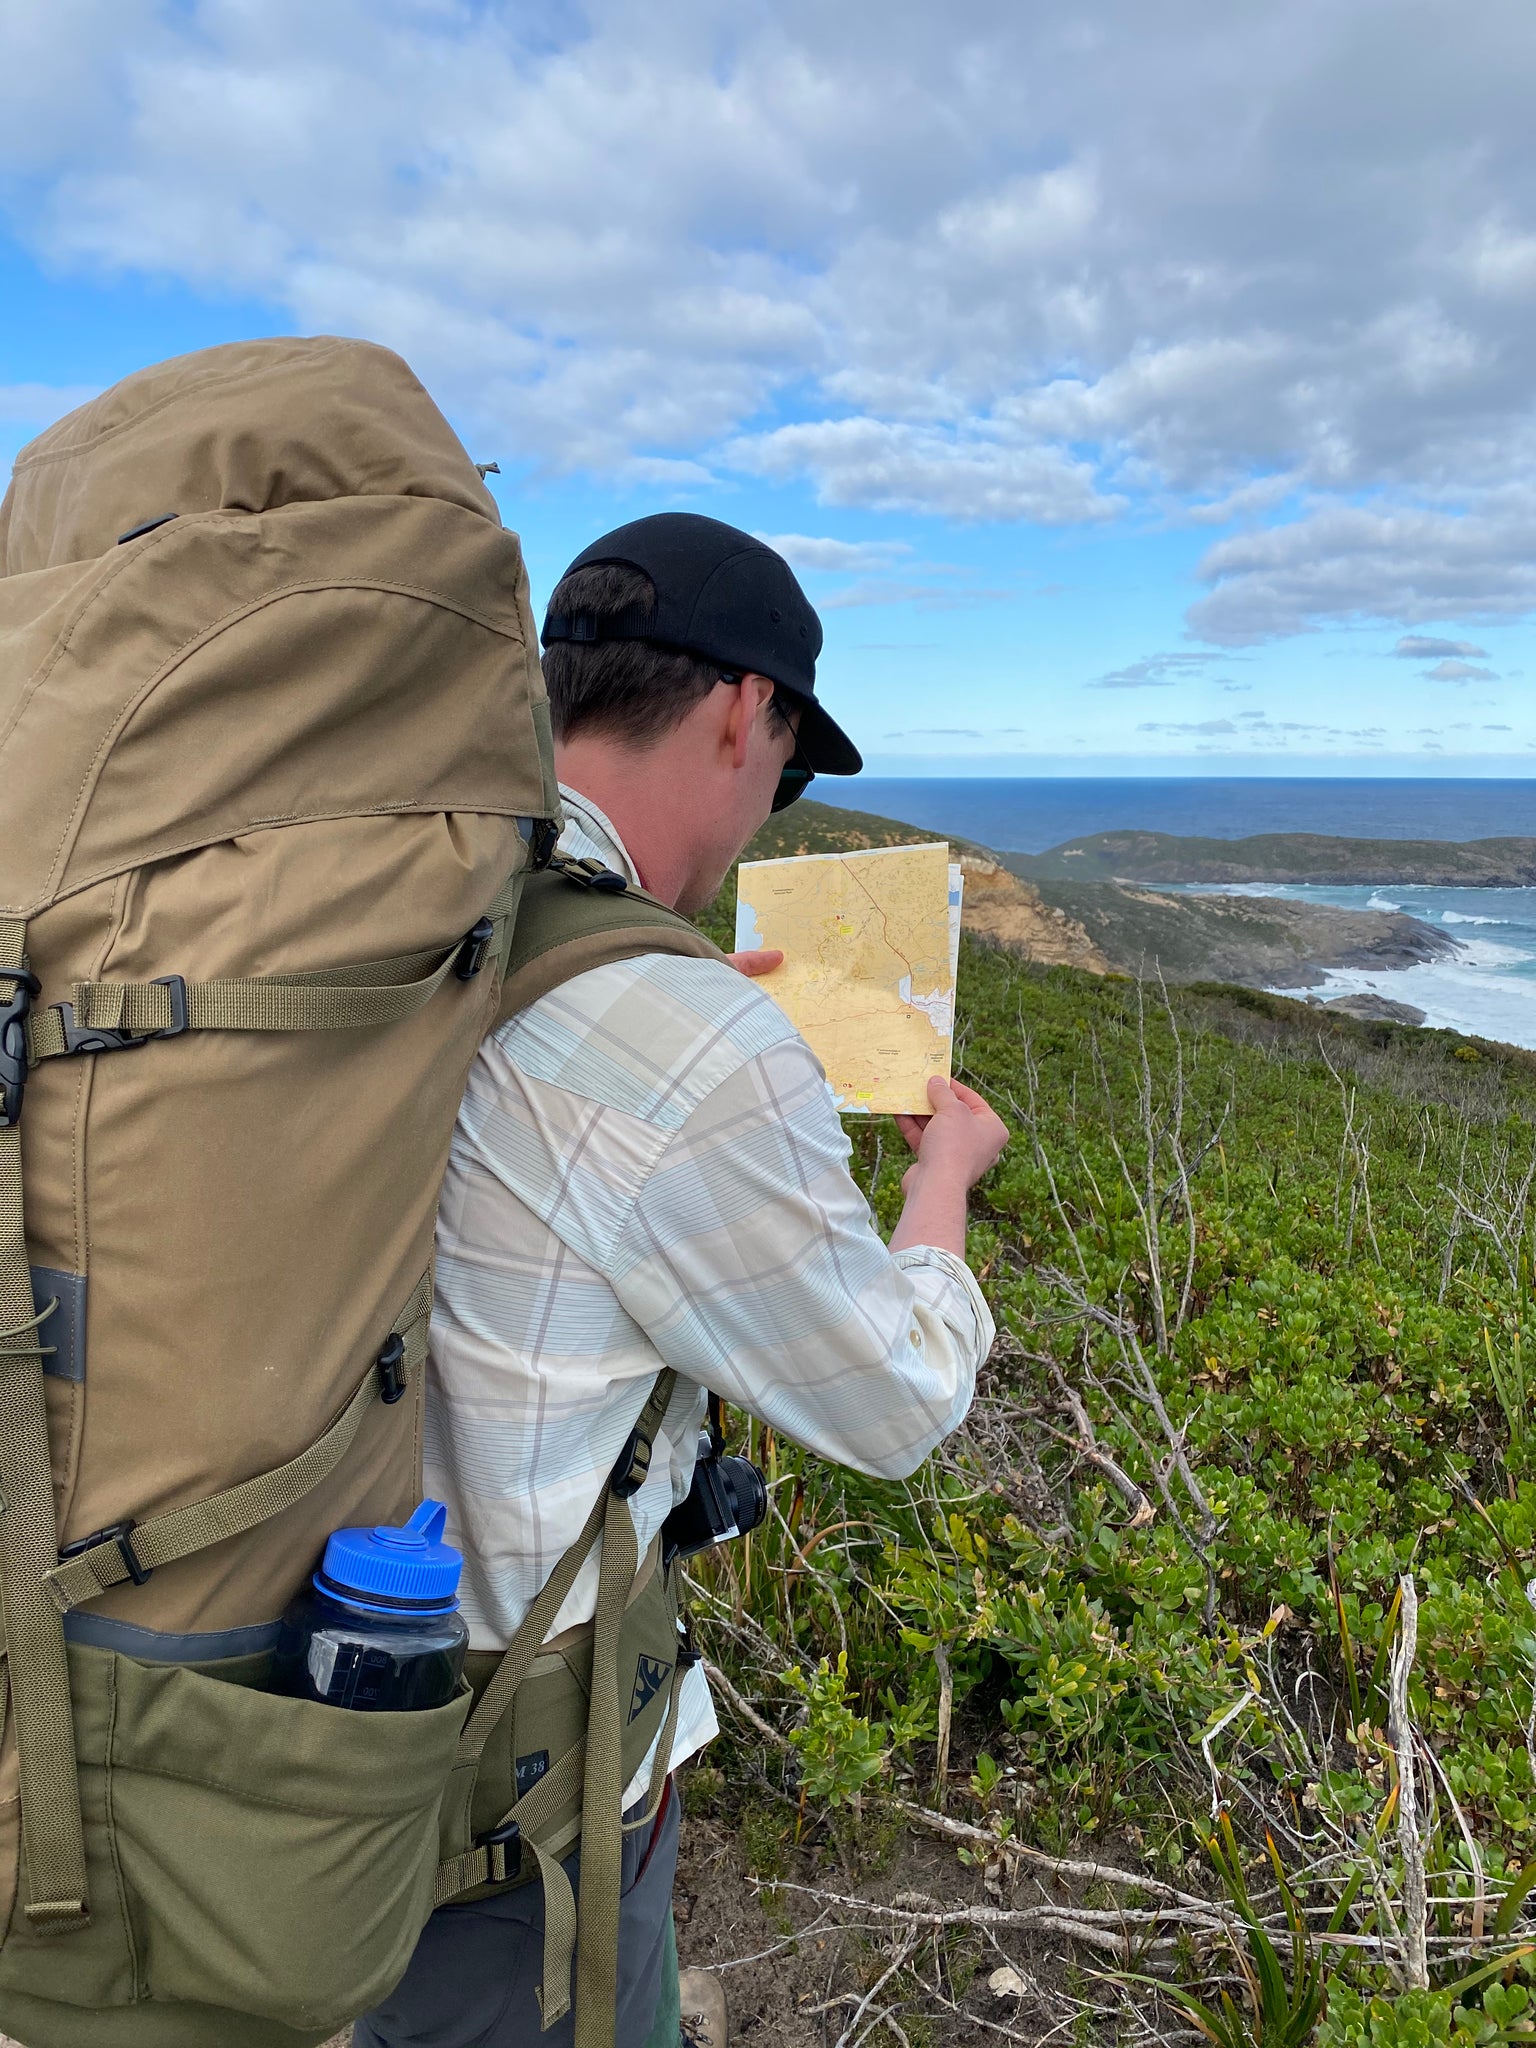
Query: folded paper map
(871, 942)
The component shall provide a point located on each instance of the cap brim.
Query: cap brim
(824, 745)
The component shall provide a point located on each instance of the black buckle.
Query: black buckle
(688, 1651)
(14, 1012)
(591, 874)
(509, 1839)
(632, 1465)
(84, 1038)
(473, 948)
(391, 1364)
(121, 1534)
(543, 836)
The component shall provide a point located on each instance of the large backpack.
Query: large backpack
(274, 763)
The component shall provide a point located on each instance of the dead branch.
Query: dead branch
(1078, 1868)
(1400, 1733)
(720, 1683)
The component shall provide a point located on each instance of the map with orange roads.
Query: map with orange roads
(871, 943)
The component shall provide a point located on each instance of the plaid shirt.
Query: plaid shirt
(648, 1171)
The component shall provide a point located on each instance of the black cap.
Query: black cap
(725, 597)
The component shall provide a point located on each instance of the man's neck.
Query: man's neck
(641, 805)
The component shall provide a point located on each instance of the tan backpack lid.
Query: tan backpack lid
(246, 427)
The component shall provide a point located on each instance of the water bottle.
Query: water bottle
(378, 1627)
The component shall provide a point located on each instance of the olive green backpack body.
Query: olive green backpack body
(275, 772)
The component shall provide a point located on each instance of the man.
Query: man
(648, 1171)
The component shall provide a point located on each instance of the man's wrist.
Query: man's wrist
(941, 1177)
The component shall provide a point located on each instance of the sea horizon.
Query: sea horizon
(1030, 814)
(1488, 987)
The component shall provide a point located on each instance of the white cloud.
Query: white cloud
(847, 557)
(894, 466)
(1203, 725)
(1367, 564)
(1425, 647)
(1006, 264)
(1154, 672)
(1459, 672)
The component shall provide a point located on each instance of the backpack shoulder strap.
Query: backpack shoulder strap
(576, 915)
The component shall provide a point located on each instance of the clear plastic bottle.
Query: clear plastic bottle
(378, 1628)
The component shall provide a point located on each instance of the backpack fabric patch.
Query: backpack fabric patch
(650, 1676)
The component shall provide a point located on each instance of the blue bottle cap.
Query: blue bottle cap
(408, 1570)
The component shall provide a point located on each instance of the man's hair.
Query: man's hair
(631, 689)
(635, 690)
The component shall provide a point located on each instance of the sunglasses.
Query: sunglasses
(797, 775)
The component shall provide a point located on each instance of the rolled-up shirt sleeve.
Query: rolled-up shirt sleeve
(751, 1261)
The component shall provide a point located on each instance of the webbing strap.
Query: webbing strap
(661, 1762)
(164, 1538)
(374, 992)
(486, 1862)
(54, 1860)
(593, 1930)
(538, 1621)
(602, 1790)
(560, 1919)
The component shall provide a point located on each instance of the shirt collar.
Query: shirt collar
(590, 834)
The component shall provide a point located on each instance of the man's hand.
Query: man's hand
(955, 1146)
(963, 1139)
(754, 964)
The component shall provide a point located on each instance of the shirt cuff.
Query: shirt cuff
(921, 1257)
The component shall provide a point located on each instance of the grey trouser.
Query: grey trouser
(472, 1980)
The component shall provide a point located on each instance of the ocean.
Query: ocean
(1488, 988)
(1028, 815)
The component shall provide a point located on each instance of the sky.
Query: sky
(1137, 386)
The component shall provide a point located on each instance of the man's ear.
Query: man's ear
(752, 699)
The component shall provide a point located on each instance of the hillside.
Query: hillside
(1098, 925)
(1260, 941)
(999, 906)
(1213, 1435)
(1282, 857)
(1262, 1280)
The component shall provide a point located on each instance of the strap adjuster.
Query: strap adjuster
(505, 1847)
(688, 1651)
(592, 874)
(120, 1533)
(391, 1364)
(84, 1038)
(473, 948)
(14, 1011)
(632, 1465)
(542, 836)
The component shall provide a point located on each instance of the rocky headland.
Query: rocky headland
(1282, 857)
(1085, 917)
(1256, 941)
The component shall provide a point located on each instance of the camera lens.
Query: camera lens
(747, 1492)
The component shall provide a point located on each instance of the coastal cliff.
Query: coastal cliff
(1089, 921)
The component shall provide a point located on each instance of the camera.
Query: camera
(728, 1497)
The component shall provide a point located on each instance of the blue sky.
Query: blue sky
(1140, 387)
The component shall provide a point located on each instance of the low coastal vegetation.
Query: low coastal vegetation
(1284, 857)
(1188, 1692)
